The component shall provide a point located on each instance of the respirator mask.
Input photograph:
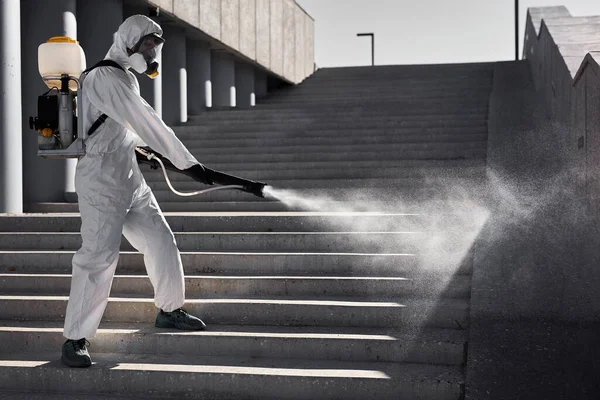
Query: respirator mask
(142, 58)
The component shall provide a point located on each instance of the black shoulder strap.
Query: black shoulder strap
(103, 117)
(105, 63)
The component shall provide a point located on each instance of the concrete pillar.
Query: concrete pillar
(44, 180)
(261, 87)
(223, 79)
(174, 76)
(198, 71)
(245, 85)
(11, 152)
(96, 27)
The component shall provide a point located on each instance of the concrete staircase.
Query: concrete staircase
(300, 304)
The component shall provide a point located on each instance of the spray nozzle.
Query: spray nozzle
(255, 188)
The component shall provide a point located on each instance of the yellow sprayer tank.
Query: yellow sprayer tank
(61, 55)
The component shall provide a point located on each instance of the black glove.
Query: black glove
(200, 173)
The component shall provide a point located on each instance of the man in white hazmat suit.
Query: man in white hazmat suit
(114, 198)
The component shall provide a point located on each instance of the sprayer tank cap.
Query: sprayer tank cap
(62, 39)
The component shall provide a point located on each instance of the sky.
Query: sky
(422, 31)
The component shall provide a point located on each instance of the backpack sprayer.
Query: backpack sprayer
(62, 65)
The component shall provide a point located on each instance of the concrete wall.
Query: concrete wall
(210, 17)
(276, 34)
(536, 271)
(248, 28)
(276, 26)
(263, 32)
(230, 23)
(560, 49)
(544, 148)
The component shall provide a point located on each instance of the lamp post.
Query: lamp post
(516, 30)
(372, 45)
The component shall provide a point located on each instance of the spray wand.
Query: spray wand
(145, 155)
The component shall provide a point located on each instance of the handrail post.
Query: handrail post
(516, 30)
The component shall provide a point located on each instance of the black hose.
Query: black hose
(201, 173)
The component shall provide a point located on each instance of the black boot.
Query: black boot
(75, 354)
(179, 319)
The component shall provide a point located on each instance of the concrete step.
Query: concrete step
(404, 75)
(431, 346)
(233, 378)
(424, 165)
(399, 86)
(225, 206)
(431, 82)
(338, 184)
(280, 311)
(262, 122)
(351, 114)
(394, 107)
(235, 201)
(315, 194)
(351, 173)
(466, 135)
(429, 71)
(365, 242)
(30, 395)
(402, 150)
(241, 263)
(382, 92)
(384, 89)
(255, 286)
(234, 221)
(299, 132)
(325, 155)
(388, 94)
(407, 106)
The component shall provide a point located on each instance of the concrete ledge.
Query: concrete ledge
(233, 378)
(276, 34)
(433, 346)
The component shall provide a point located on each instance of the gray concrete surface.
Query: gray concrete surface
(247, 28)
(188, 11)
(174, 60)
(287, 311)
(276, 37)
(260, 83)
(230, 23)
(236, 222)
(289, 39)
(223, 79)
(336, 242)
(261, 377)
(232, 263)
(534, 303)
(253, 287)
(263, 32)
(245, 85)
(309, 37)
(198, 65)
(300, 52)
(210, 17)
(276, 342)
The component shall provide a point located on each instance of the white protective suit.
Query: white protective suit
(114, 198)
